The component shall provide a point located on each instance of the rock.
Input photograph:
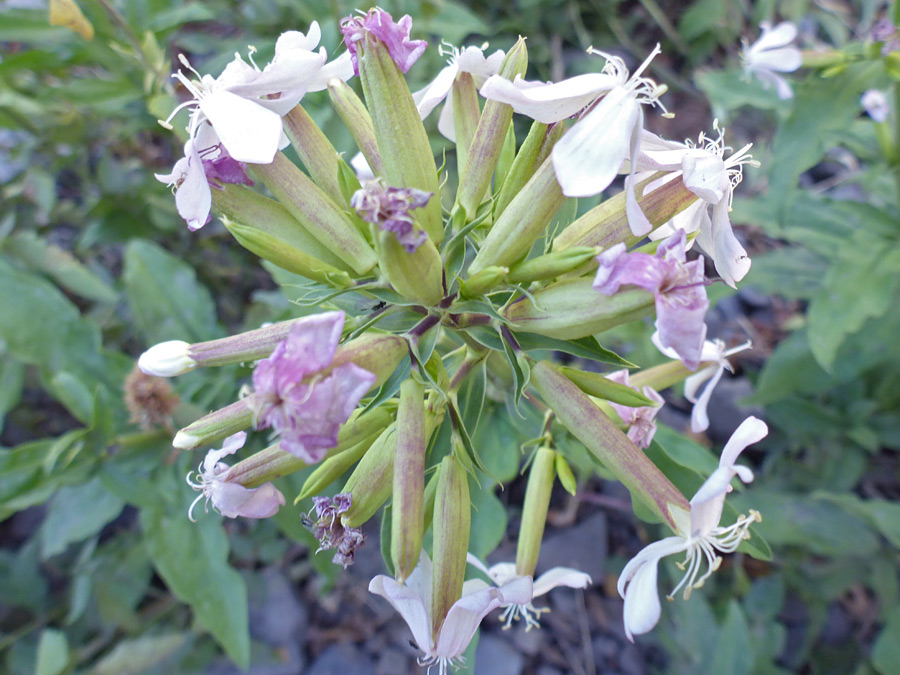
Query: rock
(496, 656)
(725, 410)
(341, 659)
(583, 547)
(392, 662)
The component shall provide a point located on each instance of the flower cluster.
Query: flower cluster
(445, 302)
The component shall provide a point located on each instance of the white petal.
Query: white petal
(167, 359)
(705, 176)
(406, 601)
(428, 98)
(771, 38)
(447, 122)
(637, 221)
(707, 503)
(463, 619)
(477, 564)
(699, 418)
(730, 258)
(249, 132)
(193, 199)
(642, 609)
(517, 591)
(548, 103)
(231, 445)
(560, 576)
(340, 68)
(785, 60)
(655, 551)
(588, 157)
(752, 430)
(294, 39)
(472, 60)
(233, 500)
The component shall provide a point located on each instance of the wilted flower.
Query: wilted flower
(875, 103)
(588, 157)
(505, 573)
(709, 174)
(640, 420)
(773, 53)
(331, 533)
(388, 208)
(297, 395)
(149, 399)
(699, 538)
(394, 35)
(678, 286)
(467, 60)
(413, 601)
(232, 499)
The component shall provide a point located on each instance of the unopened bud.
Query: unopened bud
(407, 513)
(483, 281)
(167, 359)
(599, 385)
(466, 113)
(552, 265)
(534, 151)
(357, 120)
(534, 511)
(216, 426)
(418, 276)
(452, 520)
(315, 151)
(572, 309)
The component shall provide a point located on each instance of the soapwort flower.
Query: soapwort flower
(413, 601)
(712, 176)
(231, 499)
(299, 397)
(467, 60)
(388, 208)
(394, 35)
(699, 537)
(610, 108)
(771, 54)
(640, 420)
(678, 286)
(505, 573)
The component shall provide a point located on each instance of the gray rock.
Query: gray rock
(583, 547)
(276, 615)
(725, 410)
(342, 659)
(392, 662)
(496, 656)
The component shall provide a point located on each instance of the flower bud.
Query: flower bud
(167, 359)
(333, 467)
(665, 374)
(534, 151)
(599, 385)
(418, 276)
(572, 309)
(357, 120)
(318, 214)
(452, 520)
(407, 513)
(484, 281)
(315, 151)
(586, 422)
(216, 426)
(534, 511)
(523, 221)
(607, 224)
(552, 265)
(466, 113)
(379, 353)
(489, 137)
(402, 141)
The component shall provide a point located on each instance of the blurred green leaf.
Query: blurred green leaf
(886, 650)
(881, 514)
(53, 653)
(734, 653)
(132, 657)
(167, 300)
(488, 519)
(12, 378)
(76, 513)
(192, 558)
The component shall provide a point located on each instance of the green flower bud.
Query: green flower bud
(595, 384)
(572, 309)
(534, 151)
(315, 151)
(534, 511)
(586, 422)
(321, 217)
(482, 282)
(215, 426)
(489, 137)
(452, 520)
(357, 120)
(552, 265)
(417, 275)
(379, 353)
(333, 467)
(407, 513)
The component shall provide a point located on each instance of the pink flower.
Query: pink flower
(678, 286)
(395, 36)
(299, 397)
(388, 208)
(231, 499)
(331, 533)
(641, 427)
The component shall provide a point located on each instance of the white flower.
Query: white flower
(588, 157)
(875, 103)
(231, 499)
(167, 359)
(505, 573)
(773, 53)
(699, 537)
(711, 170)
(413, 601)
(468, 60)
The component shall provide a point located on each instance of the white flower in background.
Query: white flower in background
(467, 60)
(413, 601)
(232, 499)
(711, 170)
(713, 351)
(590, 154)
(773, 53)
(505, 573)
(876, 105)
(699, 537)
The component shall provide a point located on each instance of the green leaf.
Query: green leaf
(167, 300)
(886, 650)
(586, 348)
(734, 653)
(192, 558)
(52, 653)
(488, 519)
(12, 379)
(133, 657)
(881, 514)
(76, 513)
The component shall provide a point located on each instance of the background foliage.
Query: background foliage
(100, 570)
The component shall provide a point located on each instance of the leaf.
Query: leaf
(886, 650)
(12, 379)
(586, 348)
(881, 514)
(133, 657)
(52, 653)
(67, 13)
(76, 513)
(734, 653)
(192, 558)
(167, 300)
(488, 520)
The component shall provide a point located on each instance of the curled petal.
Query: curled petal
(752, 430)
(730, 258)
(699, 417)
(233, 500)
(560, 576)
(410, 606)
(548, 102)
(637, 585)
(463, 619)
